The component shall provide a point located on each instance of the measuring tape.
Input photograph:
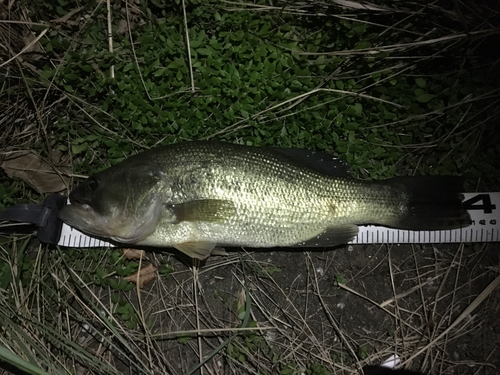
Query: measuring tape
(485, 226)
(483, 209)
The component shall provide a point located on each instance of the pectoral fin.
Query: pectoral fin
(207, 210)
(199, 250)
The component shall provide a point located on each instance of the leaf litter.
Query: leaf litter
(37, 172)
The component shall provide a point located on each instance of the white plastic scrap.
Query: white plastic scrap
(392, 361)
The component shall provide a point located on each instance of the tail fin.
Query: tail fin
(434, 202)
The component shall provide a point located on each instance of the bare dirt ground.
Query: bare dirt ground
(328, 312)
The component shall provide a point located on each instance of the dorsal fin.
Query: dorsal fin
(319, 161)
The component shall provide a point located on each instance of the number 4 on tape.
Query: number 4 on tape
(485, 205)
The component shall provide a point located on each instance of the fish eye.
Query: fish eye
(93, 183)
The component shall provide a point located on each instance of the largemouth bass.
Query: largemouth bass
(196, 195)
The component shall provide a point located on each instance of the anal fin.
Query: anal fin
(333, 236)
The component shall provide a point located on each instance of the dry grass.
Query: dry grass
(425, 305)
(247, 313)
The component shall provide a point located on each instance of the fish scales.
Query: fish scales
(275, 202)
(196, 195)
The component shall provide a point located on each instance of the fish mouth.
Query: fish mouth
(83, 217)
(121, 228)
